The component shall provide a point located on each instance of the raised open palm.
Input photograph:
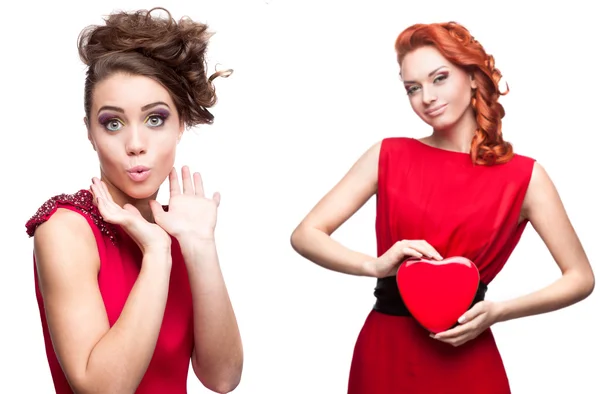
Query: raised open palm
(190, 213)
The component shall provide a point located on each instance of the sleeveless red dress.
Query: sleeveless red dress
(120, 263)
(461, 209)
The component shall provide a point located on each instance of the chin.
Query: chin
(140, 191)
(442, 124)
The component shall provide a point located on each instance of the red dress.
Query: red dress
(461, 209)
(120, 263)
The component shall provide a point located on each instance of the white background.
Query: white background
(315, 84)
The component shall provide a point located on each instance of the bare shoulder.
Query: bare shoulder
(64, 241)
(64, 225)
(539, 173)
(541, 192)
(543, 207)
(368, 163)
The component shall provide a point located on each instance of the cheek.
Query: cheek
(415, 104)
(165, 149)
(166, 156)
(459, 95)
(107, 154)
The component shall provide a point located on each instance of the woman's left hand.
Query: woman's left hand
(475, 321)
(190, 214)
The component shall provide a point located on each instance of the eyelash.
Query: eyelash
(162, 117)
(439, 78)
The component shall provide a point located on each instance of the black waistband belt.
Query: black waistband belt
(390, 302)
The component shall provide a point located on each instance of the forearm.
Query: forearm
(569, 289)
(119, 360)
(326, 252)
(218, 354)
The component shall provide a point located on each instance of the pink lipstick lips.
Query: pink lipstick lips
(138, 173)
(436, 111)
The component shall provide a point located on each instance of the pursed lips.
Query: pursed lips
(138, 169)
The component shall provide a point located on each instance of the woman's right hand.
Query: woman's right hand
(387, 264)
(148, 236)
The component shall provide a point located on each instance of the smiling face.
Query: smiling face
(439, 92)
(134, 127)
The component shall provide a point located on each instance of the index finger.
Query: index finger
(429, 250)
(198, 185)
(451, 333)
(174, 187)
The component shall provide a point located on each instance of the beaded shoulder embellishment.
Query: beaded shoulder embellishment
(83, 200)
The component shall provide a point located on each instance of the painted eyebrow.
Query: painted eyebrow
(144, 108)
(429, 75)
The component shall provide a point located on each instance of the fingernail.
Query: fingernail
(461, 319)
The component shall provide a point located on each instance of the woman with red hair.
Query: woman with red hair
(461, 191)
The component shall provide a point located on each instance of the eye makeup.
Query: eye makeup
(161, 113)
(439, 78)
(106, 117)
(155, 119)
(410, 90)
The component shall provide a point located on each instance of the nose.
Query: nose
(136, 142)
(428, 95)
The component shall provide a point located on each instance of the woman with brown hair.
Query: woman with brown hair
(130, 292)
(461, 191)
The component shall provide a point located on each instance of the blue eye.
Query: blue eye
(155, 120)
(113, 125)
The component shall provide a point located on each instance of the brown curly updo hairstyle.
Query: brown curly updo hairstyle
(170, 52)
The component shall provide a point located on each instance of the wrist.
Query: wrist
(196, 240)
(197, 250)
(367, 268)
(157, 260)
(502, 312)
(157, 251)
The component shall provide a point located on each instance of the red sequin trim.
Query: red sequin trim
(83, 200)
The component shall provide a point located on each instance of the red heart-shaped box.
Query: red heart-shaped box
(437, 293)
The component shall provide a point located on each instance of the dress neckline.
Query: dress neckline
(452, 152)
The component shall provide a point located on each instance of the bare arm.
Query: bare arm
(544, 209)
(95, 357)
(217, 359)
(312, 238)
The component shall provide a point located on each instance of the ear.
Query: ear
(89, 134)
(473, 83)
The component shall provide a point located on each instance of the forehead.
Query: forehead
(130, 92)
(418, 63)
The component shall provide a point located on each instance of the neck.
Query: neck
(458, 137)
(120, 198)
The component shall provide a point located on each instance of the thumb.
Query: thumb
(157, 210)
(132, 209)
(217, 198)
(471, 313)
